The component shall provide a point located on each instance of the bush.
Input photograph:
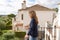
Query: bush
(1, 33)
(2, 25)
(8, 35)
(20, 34)
(16, 38)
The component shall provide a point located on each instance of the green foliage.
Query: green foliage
(6, 21)
(2, 25)
(20, 34)
(11, 15)
(7, 35)
(1, 32)
(9, 22)
(10, 35)
(56, 9)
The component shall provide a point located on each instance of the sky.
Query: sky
(12, 6)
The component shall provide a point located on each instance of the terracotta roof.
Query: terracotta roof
(37, 7)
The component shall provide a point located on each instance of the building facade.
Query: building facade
(44, 15)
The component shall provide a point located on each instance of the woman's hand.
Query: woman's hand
(27, 27)
(26, 36)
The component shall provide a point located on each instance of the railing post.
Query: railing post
(45, 33)
(54, 23)
(45, 30)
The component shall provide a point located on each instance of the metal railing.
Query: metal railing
(53, 34)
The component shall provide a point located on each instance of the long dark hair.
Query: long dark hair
(33, 14)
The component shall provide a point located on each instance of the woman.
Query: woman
(33, 30)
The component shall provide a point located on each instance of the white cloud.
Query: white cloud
(11, 6)
(49, 3)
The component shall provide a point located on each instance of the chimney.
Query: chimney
(24, 4)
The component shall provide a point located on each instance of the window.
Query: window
(22, 16)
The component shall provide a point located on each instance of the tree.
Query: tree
(2, 25)
(56, 9)
(9, 22)
(11, 15)
(6, 21)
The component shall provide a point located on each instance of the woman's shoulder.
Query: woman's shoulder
(33, 20)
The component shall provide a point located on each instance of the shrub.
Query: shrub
(8, 35)
(2, 25)
(20, 34)
(1, 33)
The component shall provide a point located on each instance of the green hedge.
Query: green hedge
(11, 35)
(1, 33)
(20, 34)
(8, 34)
